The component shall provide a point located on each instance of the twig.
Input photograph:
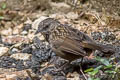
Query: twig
(83, 73)
(82, 70)
(29, 74)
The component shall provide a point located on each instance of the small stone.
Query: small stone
(72, 15)
(24, 32)
(21, 56)
(3, 51)
(6, 32)
(11, 76)
(27, 27)
(41, 37)
(62, 7)
(28, 21)
(73, 76)
(15, 39)
(118, 35)
(17, 75)
(14, 50)
(16, 31)
(47, 77)
(30, 36)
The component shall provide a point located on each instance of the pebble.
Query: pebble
(6, 32)
(24, 32)
(3, 51)
(27, 27)
(17, 75)
(16, 31)
(62, 7)
(14, 50)
(72, 15)
(21, 56)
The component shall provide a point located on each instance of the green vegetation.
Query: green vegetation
(107, 68)
(3, 6)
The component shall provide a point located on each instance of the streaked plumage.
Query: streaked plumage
(67, 42)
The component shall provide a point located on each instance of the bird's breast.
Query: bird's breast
(59, 33)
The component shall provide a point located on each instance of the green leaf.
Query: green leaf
(93, 72)
(90, 78)
(104, 61)
(93, 78)
(109, 71)
(96, 70)
(3, 6)
(1, 17)
(97, 79)
(99, 67)
(108, 66)
(89, 70)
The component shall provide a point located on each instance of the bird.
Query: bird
(67, 42)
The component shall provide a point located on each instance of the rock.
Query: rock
(27, 27)
(62, 7)
(28, 21)
(13, 50)
(72, 15)
(15, 39)
(30, 35)
(118, 35)
(47, 77)
(6, 32)
(75, 76)
(21, 56)
(24, 32)
(16, 31)
(3, 51)
(17, 75)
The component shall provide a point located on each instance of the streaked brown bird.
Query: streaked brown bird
(67, 42)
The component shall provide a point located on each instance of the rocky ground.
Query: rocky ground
(26, 56)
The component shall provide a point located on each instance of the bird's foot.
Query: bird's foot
(91, 56)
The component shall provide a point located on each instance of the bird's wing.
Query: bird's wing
(72, 51)
(87, 42)
(70, 46)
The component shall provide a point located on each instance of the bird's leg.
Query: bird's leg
(81, 61)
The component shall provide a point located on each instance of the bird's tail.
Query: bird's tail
(103, 48)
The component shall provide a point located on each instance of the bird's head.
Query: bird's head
(46, 26)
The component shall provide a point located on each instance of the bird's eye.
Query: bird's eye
(46, 27)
